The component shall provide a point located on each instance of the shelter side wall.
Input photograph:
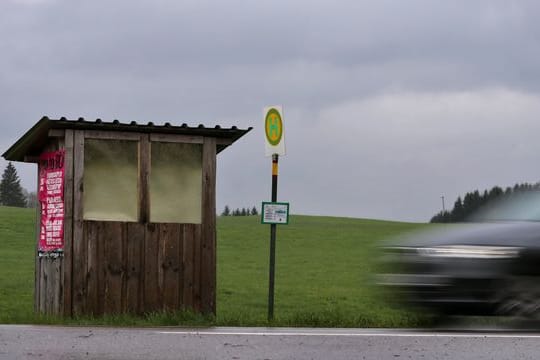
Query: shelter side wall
(49, 287)
(138, 268)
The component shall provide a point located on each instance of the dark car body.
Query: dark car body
(482, 268)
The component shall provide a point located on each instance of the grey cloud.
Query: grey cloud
(164, 33)
(420, 44)
(220, 62)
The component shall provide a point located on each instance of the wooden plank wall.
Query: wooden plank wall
(117, 267)
(138, 268)
(49, 272)
(49, 289)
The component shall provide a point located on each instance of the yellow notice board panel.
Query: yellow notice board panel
(111, 173)
(176, 183)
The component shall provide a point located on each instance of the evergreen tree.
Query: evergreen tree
(244, 212)
(30, 198)
(442, 217)
(254, 211)
(472, 201)
(484, 198)
(495, 193)
(11, 192)
(457, 212)
(471, 204)
(226, 211)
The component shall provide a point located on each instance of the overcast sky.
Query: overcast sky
(388, 105)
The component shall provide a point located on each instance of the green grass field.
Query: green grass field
(17, 247)
(323, 270)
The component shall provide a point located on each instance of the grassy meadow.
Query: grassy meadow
(17, 247)
(323, 270)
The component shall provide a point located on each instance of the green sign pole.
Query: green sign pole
(275, 159)
(274, 214)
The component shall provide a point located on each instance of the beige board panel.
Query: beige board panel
(110, 180)
(175, 183)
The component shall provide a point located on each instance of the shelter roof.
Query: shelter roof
(33, 141)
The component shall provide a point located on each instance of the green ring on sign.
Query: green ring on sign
(273, 127)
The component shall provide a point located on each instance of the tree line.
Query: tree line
(472, 201)
(13, 194)
(239, 212)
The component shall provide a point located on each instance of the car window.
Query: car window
(523, 206)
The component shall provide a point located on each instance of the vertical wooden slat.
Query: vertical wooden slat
(151, 275)
(37, 278)
(59, 262)
(113, 233)
(46, 289)
(188, 265)
(180, 275)
(144, 176)
(208, 236)
(135, 244)
(48, 286)
(79, 270)
(37, 285)
(68, 224)
(52, 286)
(43, 285)
(159, 265)
(149, 287)
(37, 267)
(92, 235)
(55, 282)
(57, 289)
(124, 249)
(101, 267)
(170, 264)
(197, 265)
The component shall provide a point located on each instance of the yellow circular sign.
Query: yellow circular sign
(273, 127)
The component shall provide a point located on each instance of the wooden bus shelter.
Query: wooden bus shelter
(127, 215)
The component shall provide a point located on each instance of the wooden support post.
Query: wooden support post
(275, 159)
(208, 239)
(68, 223)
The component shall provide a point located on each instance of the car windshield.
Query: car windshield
(522, 206)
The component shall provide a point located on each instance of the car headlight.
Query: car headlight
(457, 251)
(470, 251)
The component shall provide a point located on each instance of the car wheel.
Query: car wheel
(520, 297)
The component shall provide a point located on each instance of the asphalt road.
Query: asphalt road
(51, 342)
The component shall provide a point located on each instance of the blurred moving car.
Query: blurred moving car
(490, 266)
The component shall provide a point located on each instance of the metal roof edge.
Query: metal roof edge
(39, 131)
(11, 153)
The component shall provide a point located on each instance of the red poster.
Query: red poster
(51, 198)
